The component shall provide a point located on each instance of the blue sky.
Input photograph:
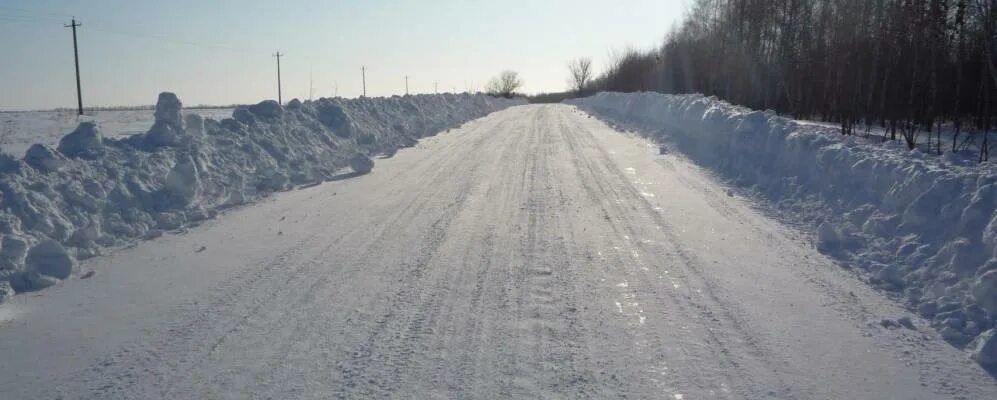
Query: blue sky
(220, 52)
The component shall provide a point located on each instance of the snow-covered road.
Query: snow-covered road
(533, 253)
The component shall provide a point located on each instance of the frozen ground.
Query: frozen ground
(533, 253)
(19, 130)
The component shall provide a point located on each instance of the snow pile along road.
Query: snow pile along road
(59, 205)
(917, 225)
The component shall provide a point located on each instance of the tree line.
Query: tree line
(915, 68)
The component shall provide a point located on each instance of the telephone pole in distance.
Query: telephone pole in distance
(363, 77)
(76, 58)
(278, 55)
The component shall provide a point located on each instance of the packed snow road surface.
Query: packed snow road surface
(533, 253)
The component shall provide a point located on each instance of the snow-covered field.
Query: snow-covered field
(73, 198)
(20, 129)
(919, 226)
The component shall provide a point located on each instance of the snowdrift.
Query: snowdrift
(59, 205)
(920, 226)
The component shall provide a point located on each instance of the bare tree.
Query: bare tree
(910, 66)
(505, 84)
(581, 74)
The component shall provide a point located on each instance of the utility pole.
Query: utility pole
(436, 87)
(363, 76)
(76, 58)
(311, 84)
(279, 99)
(406, 85)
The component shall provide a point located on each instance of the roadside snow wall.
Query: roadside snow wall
(59, 205)
(917, 225)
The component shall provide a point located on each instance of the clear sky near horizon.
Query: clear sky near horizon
(220, 52)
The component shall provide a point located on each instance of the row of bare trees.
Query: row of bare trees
(915, 68)
(506, 84)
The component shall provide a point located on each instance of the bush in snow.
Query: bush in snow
(109, 192)
(919, 226)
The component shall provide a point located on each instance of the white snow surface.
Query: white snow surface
(920, 226)
(95, 191)
(20, 129)
(534, 253)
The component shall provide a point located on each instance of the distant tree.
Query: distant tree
(505, 84)
(581, 74)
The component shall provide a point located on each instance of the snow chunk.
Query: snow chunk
(169, 110)
(44, 158)
(6, 291)
(162, 135)
(13, 248)
(183, 181)
(168, 128)
(8, 163)
(267, 110)
(38, 281)
(361, 164)
(86, 140)
(334, 117)
(51, 259)
(983, 349)
(985, 291)
(194, 124)
(86, 236)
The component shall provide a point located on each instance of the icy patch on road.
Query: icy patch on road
(919, 226)
(93, 192)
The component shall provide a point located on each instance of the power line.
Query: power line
(109, 29)
(31, 12)
(27, 16)
(186, 42)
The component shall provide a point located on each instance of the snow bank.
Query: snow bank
(914, 224)
(59, 205)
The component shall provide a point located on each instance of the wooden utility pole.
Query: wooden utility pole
(279, 99)
(76, 58)
(363, 77)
